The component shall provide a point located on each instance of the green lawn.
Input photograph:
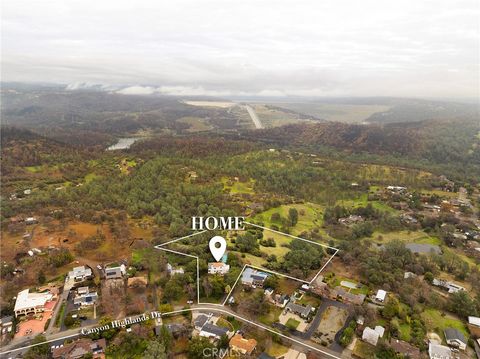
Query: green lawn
(292, 323)
(335, 281)
(313, 301)
(436, 322)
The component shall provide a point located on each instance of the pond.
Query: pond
(122, 144)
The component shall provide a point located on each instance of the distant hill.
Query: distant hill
(439, 141)
(381, 109)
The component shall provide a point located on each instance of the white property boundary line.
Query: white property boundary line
(162, 245)
(192, 310)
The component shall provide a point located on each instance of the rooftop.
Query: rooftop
(245, 344)
(26, 300)
(454, 334)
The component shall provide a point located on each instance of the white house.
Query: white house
(218, 268)
(173, 271)
(116, 272)
(370, 336)
(381, 295)
(81, 273)
(27, 302)
(85, 297)
(437, 351)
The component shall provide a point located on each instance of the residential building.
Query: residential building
(351, 220)
(213, 331)
(80, 274)
(81, 348)
(380, 330)
(281, 300)
(474, 326)
(437, 351)
(405, 349)
(300, 310)
(28, 303)
(115, 272)
(449, 286)
(218, 268)
(381, 296)
(370, 336)
(6, 325)
(85, 297)
(408, 275)
(339, 293)
(173, 271)
(253, 278)
(455, 338)
(244, 346)
(31, 220)
(200, 321)
(397, 189)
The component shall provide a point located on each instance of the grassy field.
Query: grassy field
(405, 332)
(310, 215)
(347, 113)
(419, 237)
(90, 177)
(277, 350)
(272, 315)
(196, 124)
(363, 201)
(363, 350)
(237, 187)
(436, 322)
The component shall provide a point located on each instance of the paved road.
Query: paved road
(14, 348)
(254, 117)
(305, 344)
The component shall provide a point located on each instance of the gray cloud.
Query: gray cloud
(424, 48)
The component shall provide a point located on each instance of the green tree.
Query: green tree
(155, 350)
(39, 351)
(293, 216)
(462, 304)
(199, 348)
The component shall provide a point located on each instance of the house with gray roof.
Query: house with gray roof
(455, 338)
(200, 321)
(254, 278)
(213, 331)
(300, 310)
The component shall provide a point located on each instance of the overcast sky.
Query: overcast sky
(423, 48)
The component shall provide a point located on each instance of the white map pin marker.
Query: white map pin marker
(217, 252)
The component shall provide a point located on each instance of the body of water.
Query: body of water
(122, 144)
